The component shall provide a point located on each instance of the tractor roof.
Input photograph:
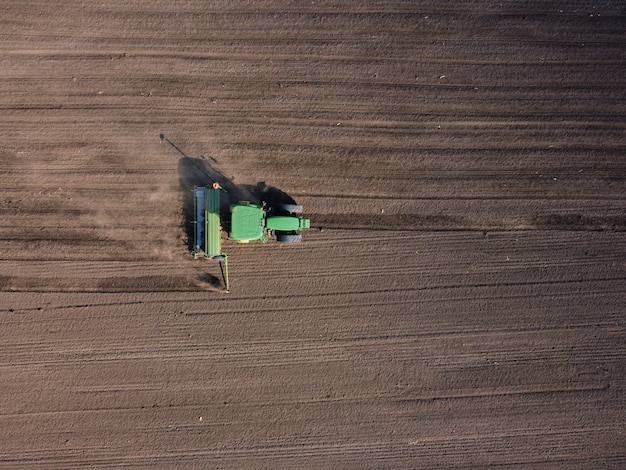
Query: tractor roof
(246, 222)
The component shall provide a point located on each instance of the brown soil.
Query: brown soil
(458, 303)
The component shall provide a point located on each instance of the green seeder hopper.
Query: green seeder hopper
(243, 222)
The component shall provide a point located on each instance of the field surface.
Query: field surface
(458, 303)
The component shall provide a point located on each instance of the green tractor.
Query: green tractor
(243, 222)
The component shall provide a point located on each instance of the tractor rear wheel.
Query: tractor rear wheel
(290, 208)
(289, 238)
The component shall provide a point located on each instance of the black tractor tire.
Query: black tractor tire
(288, 238)
(290, 208)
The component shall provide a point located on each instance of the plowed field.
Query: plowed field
(458, 303)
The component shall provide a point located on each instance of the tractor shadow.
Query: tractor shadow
(202, 172)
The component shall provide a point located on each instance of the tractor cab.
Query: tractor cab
(247, 222)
